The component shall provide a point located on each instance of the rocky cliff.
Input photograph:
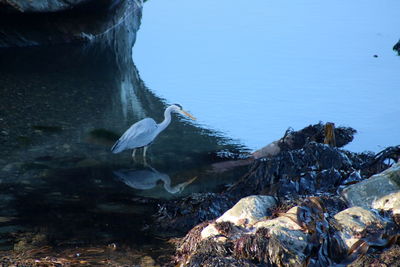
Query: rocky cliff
(44, 22)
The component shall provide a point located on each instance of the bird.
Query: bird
(148, 179)
(142, 133)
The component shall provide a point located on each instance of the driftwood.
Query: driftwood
(319, 133)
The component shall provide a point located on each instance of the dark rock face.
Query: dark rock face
(77, 21)
(40, 5)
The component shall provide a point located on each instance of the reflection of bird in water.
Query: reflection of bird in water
(147, 179)
(143, 133)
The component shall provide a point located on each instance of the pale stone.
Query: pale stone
(249, 210)
(282, 221)
(388, 202)
(355, 220)
(290, 235)
(209, 231)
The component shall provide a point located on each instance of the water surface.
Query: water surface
(254, 69)
(62, 108)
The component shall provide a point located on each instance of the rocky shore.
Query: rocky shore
(310, 204)
(303, 200)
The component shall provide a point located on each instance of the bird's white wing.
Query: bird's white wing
(139, 134)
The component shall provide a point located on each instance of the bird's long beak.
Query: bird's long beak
(187, 114)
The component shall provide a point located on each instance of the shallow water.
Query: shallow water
(60, 183)
(254, 69)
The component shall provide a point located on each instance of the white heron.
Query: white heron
(142, 133)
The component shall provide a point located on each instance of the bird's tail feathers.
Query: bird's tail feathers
(116, 147)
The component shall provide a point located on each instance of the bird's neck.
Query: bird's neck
(167, 184)
(167, 119)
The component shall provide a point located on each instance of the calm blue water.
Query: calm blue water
(253, 69)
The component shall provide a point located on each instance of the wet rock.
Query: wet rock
(249, 210)
(366, 192)
(358, 223)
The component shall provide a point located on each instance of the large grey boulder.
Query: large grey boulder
(377, 186)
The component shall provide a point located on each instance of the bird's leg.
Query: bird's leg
(144, 155)
(133, 154)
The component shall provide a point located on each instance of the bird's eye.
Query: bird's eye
(179, 106)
